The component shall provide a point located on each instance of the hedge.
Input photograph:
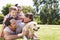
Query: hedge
(1, 18)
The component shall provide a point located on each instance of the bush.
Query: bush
(37, 19)
(26, 9)
(5, 9)
(1, 18)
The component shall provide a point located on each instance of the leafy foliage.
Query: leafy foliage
(1, 18)
(5, 9)
(49, 14)
(26, 9)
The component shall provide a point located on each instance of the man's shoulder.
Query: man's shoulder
(6, 29)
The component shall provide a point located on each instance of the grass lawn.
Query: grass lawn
(47, 32)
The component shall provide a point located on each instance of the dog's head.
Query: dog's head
(34, 26)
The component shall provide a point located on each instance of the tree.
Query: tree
(1, 18)
(49, 12)
(5, 9)
(37, 4)
(26, 9)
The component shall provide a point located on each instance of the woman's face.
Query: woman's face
(13, 24)
(26, 19)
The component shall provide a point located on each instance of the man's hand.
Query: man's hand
(1, 34)
(1, 31)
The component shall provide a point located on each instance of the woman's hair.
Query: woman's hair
(7, 22)
(29, 15)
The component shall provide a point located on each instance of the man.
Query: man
(10, 31)
(12, 13)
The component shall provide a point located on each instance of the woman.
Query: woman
(28, 19)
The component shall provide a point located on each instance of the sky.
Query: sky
(20, 2)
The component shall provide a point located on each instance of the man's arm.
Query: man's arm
(3, 26)
(7, 36)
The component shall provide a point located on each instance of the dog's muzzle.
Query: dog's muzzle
(36, 29)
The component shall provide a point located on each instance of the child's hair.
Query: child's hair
(16, 5)
(7, 22)
(29, 15)
(12, 8)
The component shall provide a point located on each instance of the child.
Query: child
(12, 13)
(19, 12)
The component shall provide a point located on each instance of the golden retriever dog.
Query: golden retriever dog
(30, 29)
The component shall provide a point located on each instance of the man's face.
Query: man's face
(13, 24)
(13, 13)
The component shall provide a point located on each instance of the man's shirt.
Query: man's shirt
(18, 30)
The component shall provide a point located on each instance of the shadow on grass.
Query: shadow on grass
(2, 39)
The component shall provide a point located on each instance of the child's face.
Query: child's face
(13, 13)
(19, 10)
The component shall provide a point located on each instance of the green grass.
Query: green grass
(48, 32)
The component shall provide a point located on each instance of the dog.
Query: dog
(30, 29)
